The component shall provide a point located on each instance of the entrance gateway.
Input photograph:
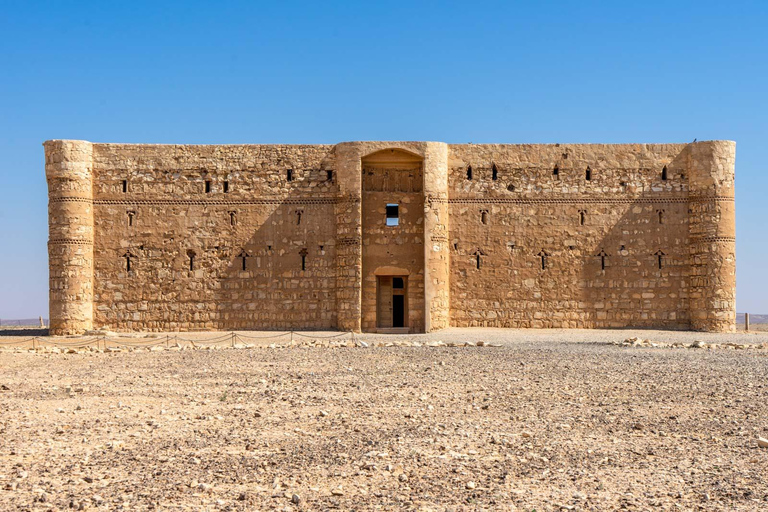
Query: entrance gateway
(393, 243)
(392, 304)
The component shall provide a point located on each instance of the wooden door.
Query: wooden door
(384, 302)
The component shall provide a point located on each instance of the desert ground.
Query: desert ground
(531, 420)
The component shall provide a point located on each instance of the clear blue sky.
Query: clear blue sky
(324, 72)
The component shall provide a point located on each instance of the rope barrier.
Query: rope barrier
(232, 338)
(54, 343)
(321, 337)
(212, 342)
(78, 344)
(19, 342)
(149, 341)
(226, 336)
(133, 345)
(263, 337)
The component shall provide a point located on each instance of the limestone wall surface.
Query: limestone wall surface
(177, 237)
(574, 232)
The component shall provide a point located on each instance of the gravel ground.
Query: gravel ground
(551, 420)
(506, 337)
(513, 337)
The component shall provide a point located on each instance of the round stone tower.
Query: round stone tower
(712, 235)
(69, 172)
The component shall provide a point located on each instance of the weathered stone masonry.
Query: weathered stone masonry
(392, 236)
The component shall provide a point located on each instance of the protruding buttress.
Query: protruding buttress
(69, 172)
(712, 235)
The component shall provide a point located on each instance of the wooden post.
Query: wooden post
(746, 321)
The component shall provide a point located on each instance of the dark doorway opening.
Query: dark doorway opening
(392, 302)
(398, 311)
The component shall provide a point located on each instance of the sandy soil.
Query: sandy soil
(552, 420)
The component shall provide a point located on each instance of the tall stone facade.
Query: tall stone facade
(390, 236)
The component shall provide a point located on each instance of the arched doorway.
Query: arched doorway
(393, 238)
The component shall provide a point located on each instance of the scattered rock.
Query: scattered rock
(109, 334)
(456, 417)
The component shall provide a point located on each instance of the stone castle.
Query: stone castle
(390, 236)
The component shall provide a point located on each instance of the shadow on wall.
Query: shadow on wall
(283, 276)
(580, 247)
(635, 268)
(261, 257)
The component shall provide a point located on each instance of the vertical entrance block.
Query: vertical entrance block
(349, 251)
(393, 232)
(436, 254)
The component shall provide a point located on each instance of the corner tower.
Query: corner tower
(69, 172)
(712, 235)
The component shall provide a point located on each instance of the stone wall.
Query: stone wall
(167, 237)
(573, 232)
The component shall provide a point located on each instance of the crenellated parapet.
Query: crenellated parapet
(69, 172)
(712, 235)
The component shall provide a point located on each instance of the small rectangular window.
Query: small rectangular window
(226, 187)
(393, 215)
(289, 174)
(397, 283)
(329, 175)
(207, 187)
(125, 186)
